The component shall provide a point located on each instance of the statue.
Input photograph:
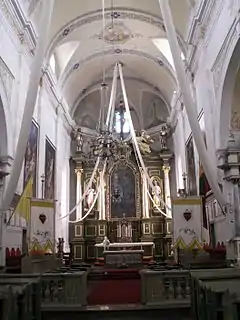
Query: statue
(156, 193)
(163, 137)
(90, 197)
(77, 135)
(106, 243)
(144, 141)
(60, 245)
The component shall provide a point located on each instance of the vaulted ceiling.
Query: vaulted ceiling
(82, 45)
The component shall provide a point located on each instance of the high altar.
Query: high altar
(123, 212)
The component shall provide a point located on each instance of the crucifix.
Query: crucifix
(122, 118)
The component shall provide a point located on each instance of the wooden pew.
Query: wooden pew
(216, 294)
(29, 299)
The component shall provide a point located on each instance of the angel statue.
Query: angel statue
(77, 136)
(144, 141)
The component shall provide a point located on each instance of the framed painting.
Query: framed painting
(50, 155)
(31, 157)
(191, 170)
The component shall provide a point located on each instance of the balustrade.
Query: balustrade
(165, 287)
(64, 288)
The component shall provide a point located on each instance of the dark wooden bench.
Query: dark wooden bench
(216, 294)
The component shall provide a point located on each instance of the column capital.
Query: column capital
(166, 168)
(78, 170)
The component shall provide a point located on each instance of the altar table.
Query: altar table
(124, 252)
(123, 257)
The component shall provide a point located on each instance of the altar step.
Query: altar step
(119, 312)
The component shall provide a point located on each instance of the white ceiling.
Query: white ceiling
(81, 48)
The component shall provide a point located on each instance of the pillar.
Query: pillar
(145, 202)
(78, 172)
(101, 197)
(191, 109)
(167, 191)
(103, 204)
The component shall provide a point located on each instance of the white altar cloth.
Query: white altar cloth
(125, 245)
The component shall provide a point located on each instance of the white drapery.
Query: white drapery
(189, 103)
(108, 124)
(132, 131)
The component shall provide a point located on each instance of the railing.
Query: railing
(170, 288)
(49, 290)
(64, 289)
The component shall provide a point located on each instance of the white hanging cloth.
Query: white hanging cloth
(111, 106)
(94, 200)
(132, 131)
(191, 110)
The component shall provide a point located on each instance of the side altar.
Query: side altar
(123, 212)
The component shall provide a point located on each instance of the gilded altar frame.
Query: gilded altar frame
(129, 164)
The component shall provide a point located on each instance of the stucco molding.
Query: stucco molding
(122, 12)
(23, 28)
(221, 63)
(202, 29)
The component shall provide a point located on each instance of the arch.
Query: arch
(96, 84)
(230, 73)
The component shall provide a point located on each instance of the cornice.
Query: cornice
(197, 19)
(59, 104)
(22, 27)
(201, 29)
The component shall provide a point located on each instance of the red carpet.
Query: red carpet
(115, 286)
(115, 292)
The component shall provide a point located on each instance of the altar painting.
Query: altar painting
(122, 193)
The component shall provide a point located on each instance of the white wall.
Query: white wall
(212, 37)
(15, 64)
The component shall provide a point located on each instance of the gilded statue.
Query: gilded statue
(144, 141)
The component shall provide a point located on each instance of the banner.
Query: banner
(42, 227)
(187, 222)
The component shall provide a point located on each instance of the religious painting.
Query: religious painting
(122, 193)
(31, 155)
(49, 170)
(191, 171)
(204, 187)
